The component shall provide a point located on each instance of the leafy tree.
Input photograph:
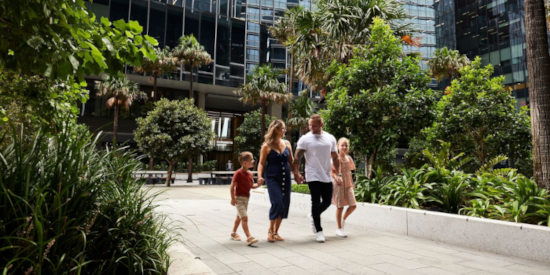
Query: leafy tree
(173, 131)
(248, 133)
(380, 96)
(121, 93)
(263, 87)
(447, 64)
(478, 117)
(164, 63)
(300, 110)
(192, 55)
(59, 39)
(538, 66)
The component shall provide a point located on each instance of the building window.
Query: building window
(253, 27)
(253, 40)
(252, 55)
(253, 14)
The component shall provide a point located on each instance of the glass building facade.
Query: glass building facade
(491, 29)
(233, 32)
(422, 19)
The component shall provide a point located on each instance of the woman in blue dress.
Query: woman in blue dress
(274, 170)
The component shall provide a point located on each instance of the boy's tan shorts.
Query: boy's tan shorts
(242, 206)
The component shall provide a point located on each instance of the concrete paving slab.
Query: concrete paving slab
(207, 217)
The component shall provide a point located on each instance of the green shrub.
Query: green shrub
(407, 190)
(66, 208)
(300, 188)
(370, 190)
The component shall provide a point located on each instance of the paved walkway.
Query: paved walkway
(207, 216)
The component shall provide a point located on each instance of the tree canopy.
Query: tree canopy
(379, 97)
(173, 131)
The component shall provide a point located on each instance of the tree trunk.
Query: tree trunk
(155, 88)
(115, 123)
(190, 170)
(538, 66)
(263, 122)
(191, 96)
(369, 161)
(290, 89)
(170, 170)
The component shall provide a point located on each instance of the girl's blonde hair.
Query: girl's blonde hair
(342, 139)
(268, 138)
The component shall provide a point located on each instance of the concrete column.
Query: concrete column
(202, 100)
(276, 110)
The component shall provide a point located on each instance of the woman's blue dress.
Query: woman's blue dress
(277, 177)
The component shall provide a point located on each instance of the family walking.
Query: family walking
(328, 183)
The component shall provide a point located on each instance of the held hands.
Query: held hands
(233, 201)
(298, 178)
(261, 181)
(339, 180)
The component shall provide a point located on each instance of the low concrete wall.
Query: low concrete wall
(506, 238)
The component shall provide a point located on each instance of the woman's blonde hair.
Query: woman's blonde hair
(268, 138)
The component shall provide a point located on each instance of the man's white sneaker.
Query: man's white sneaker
(340, 233)
(312, 224)
(320, 237)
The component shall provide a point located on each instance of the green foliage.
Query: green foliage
(59, 39)
(452, 191)
(68, 208)
(478, 117)
(443, 159)
(370, 190)
(300, 188)
(300, 109)
(447, 64)
(249, 133)
(174, 130)
(35, 101)
(408, 189)
(379, 97)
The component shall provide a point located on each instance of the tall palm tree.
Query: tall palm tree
(263, 87)
(285, 31)
(301, 109)
(121, 93)
(447, 64)
(164, 63)
(538, 66)
(191, 54)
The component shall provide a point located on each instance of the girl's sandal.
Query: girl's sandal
(235, 237)
(251, 240)
(277, 237)
(270, 237)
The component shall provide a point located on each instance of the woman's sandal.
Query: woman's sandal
(270, 237)
(277, 237)
(251, 240)
(235, 237)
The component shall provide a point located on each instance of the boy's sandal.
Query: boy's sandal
(270, 237)
(277, 237)
(251, 240)
(235, 237)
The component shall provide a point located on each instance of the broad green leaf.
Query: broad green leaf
(151, 40)
(105, 21)
(135, 27)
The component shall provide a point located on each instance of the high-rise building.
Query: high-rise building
(422, 19)
(233, 32)
(491, 29)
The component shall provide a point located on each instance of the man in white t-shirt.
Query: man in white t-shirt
(318, 147)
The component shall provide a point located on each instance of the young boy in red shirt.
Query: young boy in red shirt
(240, 193)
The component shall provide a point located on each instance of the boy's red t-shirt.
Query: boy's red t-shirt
(243, 183)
